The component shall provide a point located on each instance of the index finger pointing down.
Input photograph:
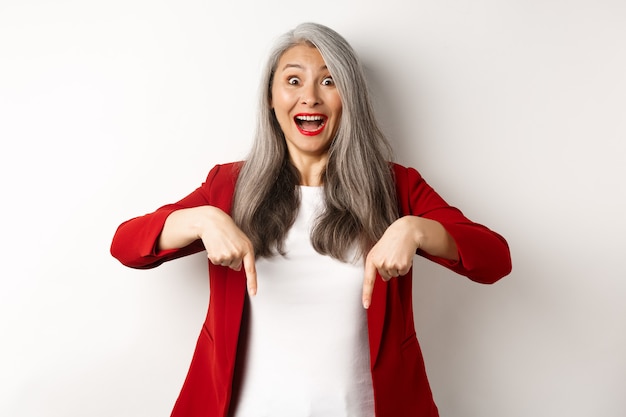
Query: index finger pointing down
(250, 268)
(368, 283)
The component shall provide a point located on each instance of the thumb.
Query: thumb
(368, 283)
(250, 268)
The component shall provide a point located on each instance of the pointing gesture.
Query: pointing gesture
(225, 243)
(392, 255)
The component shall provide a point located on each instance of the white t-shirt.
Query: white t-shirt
(307, 352)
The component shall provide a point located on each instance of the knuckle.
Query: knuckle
(215, 258)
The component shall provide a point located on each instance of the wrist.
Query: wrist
(415, 225)
(200, 219)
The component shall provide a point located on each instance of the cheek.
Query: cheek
(281, 102)
(336, 103)
(281, 110)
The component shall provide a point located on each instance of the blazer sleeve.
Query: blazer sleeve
(135, 241)
(484, 254)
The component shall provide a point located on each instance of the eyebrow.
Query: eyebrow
(298, 66)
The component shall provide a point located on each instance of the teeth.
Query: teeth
(309, 118)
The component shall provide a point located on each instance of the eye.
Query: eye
(328, 81)
(293, 80)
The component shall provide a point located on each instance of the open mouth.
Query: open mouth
(310, 124)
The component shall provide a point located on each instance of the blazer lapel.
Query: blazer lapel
(235, 294)
(376, 318)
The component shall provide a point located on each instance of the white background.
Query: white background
(513, 110)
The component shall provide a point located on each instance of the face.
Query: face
(306, 103)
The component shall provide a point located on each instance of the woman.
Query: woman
(322, 224)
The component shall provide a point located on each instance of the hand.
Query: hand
(391, 256)
(225, 243)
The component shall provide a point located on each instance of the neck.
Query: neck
(311, 179)
(311, 171)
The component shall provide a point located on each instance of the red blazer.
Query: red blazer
(400, 384)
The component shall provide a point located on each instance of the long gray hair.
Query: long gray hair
(359, 191)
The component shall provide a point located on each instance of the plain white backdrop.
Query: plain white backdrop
(514, 110)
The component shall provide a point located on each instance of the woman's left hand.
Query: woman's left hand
(392, 255)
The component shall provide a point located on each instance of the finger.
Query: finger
(385, 274)
(235, 264)
(405, 270)
(368, 283)
(250, 268)
(219, 261)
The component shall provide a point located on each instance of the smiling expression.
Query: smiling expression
(306, 103)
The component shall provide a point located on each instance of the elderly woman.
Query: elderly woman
(310, 242)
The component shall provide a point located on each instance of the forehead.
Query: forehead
(299, 56)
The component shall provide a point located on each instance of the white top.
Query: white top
(308, 352)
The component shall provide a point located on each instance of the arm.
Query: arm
(184, 226)
(135, 243)
(198, 222)
(439, 232)
(483, 255)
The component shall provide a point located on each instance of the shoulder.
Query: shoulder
(404, 176)
(414, 195)
(219, 185)
(224, 174)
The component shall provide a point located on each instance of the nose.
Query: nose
(311, 95)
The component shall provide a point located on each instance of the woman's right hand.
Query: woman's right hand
(225, 243)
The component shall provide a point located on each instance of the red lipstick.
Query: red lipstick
(310, 124)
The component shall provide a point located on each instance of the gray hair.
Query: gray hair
(358, 181)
